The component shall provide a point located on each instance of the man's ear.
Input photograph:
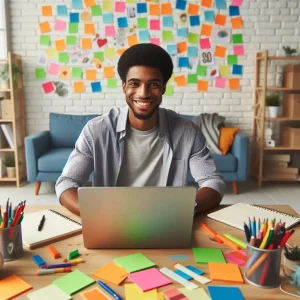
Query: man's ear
(123, 86)
(164, 88)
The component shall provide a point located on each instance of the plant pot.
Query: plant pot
(273, 111)
(4, 85)
(11, 172)
(289, 266)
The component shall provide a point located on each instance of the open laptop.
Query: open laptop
(137, 217)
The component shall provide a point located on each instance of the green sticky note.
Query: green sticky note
(193, 38)
(45, 40)
(167, 36)
(142, 22)
(112, 83)
(192, 78)
(201, 70)
(71, 40)
(237, 38)
(99, 55)
(134, 262)
(96, 11)
(206, 255)
(77, 72)
(130, 1)
(169, 90)
(40, 73)
(63, 57)
(73, 27)
(232, 59)
(73, 282)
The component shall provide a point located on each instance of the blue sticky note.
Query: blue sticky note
(237, 70)
(141, 8)
(184, 275)
(74, 17)
(224, 292)
(180, 4)
(144, 35)
(167, 21)
(192, 51)
(96, 87)
(38, 260)
(122, 22)
(195, 20)
(108, 18)
(209, 15)
(172, 49)
(77, 4)
(183, 62)
(182, 32)
(62, 10)
(220, 4)
(234, 11)
(195, 270)
(182, 256)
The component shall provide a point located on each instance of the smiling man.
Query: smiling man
(141, 144)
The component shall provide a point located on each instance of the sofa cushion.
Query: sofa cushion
(225, 163)
(54, 160)
(65, 129)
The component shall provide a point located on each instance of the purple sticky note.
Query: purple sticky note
(48, 87)
(120, 7)
(53, 69)
(205, 43)
(60, 25)
(110, 30)
(220, 82)
(238, 50)
(155, 24)
(237, 2)
(155, 41)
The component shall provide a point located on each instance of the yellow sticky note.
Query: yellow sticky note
(110, 53)
(109, 72)
(132, 40)
(46, 10)
(78, 87)
(45, 27)
(86, 43)
(91, 74)
(224, 70)
(89, 28)
(51, 53)
(64, 73)
(202, 85)
(160, 296)
(133, 292)
(108, 5)
(60, 45)
(234, 83)
(180, 80)
(89, 3)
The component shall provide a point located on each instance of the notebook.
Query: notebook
(56, 227)
(235, 215)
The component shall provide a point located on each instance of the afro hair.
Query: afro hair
(148, 55)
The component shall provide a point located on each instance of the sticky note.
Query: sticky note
(90, 74)
(192, 78)
(141, 8)
(96, 87)
(155, 41)
(45, 27)
(89, 3)
(45, 40)
(77, 72)
(108, 18)
(196, 294)
(48, 87)
(86, 43)
(232, 59)
(109, 72)
(169, 90)
(77, 4)
(64, 73)
(94, 294)
(193, 38)
(60, 45)
(107, 5)
(237, 38)
(120, 7)
(167, 35)
(225, 272)
(206, 3)
(46, 10)
(237, 70)
(220, 51)
(96, 11)
(155, 24)
(89, 28)
(71, 40)
(73, 27)
(238, 50)
(53, 69)
(209, 16)
(220, 4)
(194, 20)
(180, 80)
(205, 43)
(74, 17)
(238, 257)
(142, 22)
(183, 275)
(234, 10)
(220, 82)
(132, 40)
(110, 53)
(110, 30)
(13, 286)
(48, 292)
(51, 53)
(224, 70)
(202, 85)
(40, 73)
(206, 29)
(78, 87)
(63, 57)
(180, 4)
(182, 47)
(144, 35)
(195, 270)
(234, 83)
(225, 292)
(237, 2)
(111, 84)
(220, 19)
(154, 9)
(201, 70)
(236, 22)
(133, 292)
(166, 9)
(62, 10)
(183, 62)
(99, 55)
(60, 25)
(192, 51)
(206, 255)
(193, 9)
(183, 32)
(167, 21)
(122, 22)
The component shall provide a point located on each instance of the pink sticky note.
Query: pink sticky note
(155, 41)
(60, 25)
(220, 82)
(238, 50)
(237, 2)
(149, 279)
(205, 43)
(53, 69)
(237, 259)
(48, 87)
(155, 24)
(120, 7)
(110, 30)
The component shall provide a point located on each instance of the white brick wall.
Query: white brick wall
(267, 25)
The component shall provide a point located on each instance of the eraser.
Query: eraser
(38, 260)
(54, 252)
(73, 254)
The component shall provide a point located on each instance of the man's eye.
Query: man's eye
(134, 84)
(154, 84)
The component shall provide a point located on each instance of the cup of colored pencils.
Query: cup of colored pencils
(265, 241)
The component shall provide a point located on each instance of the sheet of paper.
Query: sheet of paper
(86, 43)
(94, 294)
(193, 9)
(220, 83)
(225, 272)
(132, 292)
(48, 87)
(166, 9)
(13, 286)
(49, 292)
(40, 73)
(234, 11)
(201, 70)
(225, 292)
(154, 9)
(46, 10)
(167, 35)
(180, 80)
(183, 32)
(112, 83)
(237, 70)
(110, 30)
(62, 10)
(167, 21)
(194, 21)
(64, 73)
(91, 74)
(107, 5)
(234, 83)
(60, 45)
(96, 87)
(206, 255)
(237, 38)
(222, 35)
(142, 23)
(206, 29)
(53, 69)
(110, 53)
(144, 35)
(154, 24)
(195, 294)
(73, 28)
(45, 27)
(236, 22)
(206, 57)
(122, 22)
(109, 72)
(89, 28)
(108, 18)
(71, 40)
(45, 40)
(74, 17)
(183, 62)
(60, 25)
(78, 87)
(203, 87)
(182, 47)
(141, 8)
(193, 38)
(220, 51)
(77, 72)
(192, 51)
(120, 7)
(192, 78)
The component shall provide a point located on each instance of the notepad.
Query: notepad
(238, 257)
(94, 294)
(225, 272)
(132, 292)
(111, 273)
(49, 292)
(206, 255)
(235, 215)
(13, 286)
(225, 292)
(195, 294)
(56, 228)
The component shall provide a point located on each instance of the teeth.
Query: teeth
(143, 103)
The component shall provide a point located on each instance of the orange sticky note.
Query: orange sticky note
(45, 27)
(206, 3)
(182, 47)
(154, 9)
(60, 45)
(180, 80)
(89, 28)
(220, 19)
(12, 286)
(132, 40)
(202, 85)
(121, 51)
(220, 51)
(86, 43)
(78, 87)
(109, 72)
(94, 294)
(46, 10)
(166, 9)
(236, 22)
(225, 272)
(193, 9)
(111, 273)
(234, 83)
(206, 29)
(91, 74)
(89, 3)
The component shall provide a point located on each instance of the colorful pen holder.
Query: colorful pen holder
(11, 244)
(262, 267)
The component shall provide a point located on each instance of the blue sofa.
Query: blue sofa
(47, 152)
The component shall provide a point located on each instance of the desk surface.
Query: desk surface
(26, 269)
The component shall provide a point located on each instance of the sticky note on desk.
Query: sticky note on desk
(206, 255)
(132, 292)
(195, 294)
(225, 292)
(111, 273)
(13, 286)
(48, 293)
(225, 272)
(93, 294)
(238, 257)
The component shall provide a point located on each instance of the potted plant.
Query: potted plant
(10, 167)
(291, 259)
(289, 51)
(272, 103)
(4, 76)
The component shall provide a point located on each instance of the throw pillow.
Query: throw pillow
(227, 135)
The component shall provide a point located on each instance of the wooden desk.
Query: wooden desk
(26, 269)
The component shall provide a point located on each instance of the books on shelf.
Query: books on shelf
(278, 157)
(8, 132)
(274, 163)
(3, 141)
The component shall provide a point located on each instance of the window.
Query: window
(3, 36)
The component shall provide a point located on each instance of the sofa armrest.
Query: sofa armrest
(240, 149)
(35, 146)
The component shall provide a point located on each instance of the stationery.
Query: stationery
(111, 273)
(174, 293)
(194, 294)
(109, 290)
(41, 225)
(238, 257)
(225, 272)
(132, 292)
(94, 294)
(49, 292)
(225, 292)
(13, 286)
(197, 277)
(206, 255)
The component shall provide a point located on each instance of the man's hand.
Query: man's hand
(207, 199)
(69, 199)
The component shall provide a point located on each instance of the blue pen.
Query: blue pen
(109, 290)
(254, 227)
(258, 227)
(250, 227)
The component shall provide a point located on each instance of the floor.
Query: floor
(270, 193)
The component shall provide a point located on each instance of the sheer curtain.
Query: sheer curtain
(3, 30)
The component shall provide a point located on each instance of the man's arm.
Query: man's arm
(207, 198)
(69, 199)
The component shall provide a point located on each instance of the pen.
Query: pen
(286, 236)
(109, 290)
(64, 265)
(247, 232)
(41, 223)
(53, 271)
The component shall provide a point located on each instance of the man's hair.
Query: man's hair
(148, 55)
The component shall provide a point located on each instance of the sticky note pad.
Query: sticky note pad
(48, 87)
(60, 45)
(52, 70)
(167, 21)
(173, 293)
(238, 257)
(96, 11)
(183, 32)
(237, 38)
(62, 10)
(183, 62)
(132, 40)
(91, 74)
(40, 73)
(77, 72)
(182, 47)
(89, 3)
(220, 51)
(141, 8)
(180, 80)
(206, 3)
(166, 9)
(225, 292)
(237, 2)
(109, 72)
(71, 40)
(181, 4)
(122, 22)
(133, 292)
(78, 87)
(193, 38)
(234, 83)
(13, 286)
(202, 86)
(154, 9)
(134, 262)
(112, 83)
(45, 40)
(155, 24)
(94, 294)
(209, 16)
(238, 50)
(220, 4)
(206, 255)
(206, 29)
(49, 292)
(144, 35)
(225, 272)
(220, 20)
(73, 27)
(155, 41)
(169, 90)
(236, 22)
(99, 55)
(108, 18)
(60, 25)
(45, 27)
(89, 28)
(193, 9)
(232, 59)
(224, 70)
(107, 5)
(86, 43)
(142, 23)
(237, 70)
(205, 43)
(167, 36)
(220, 83)
(46, 10)
(77, 4)
(96, 87)
(63, 57)
(120, 6)
(194, 21)
(183, 275)
(234, 10)
(74, 17)
(110, 53)
(196, 294)
(201, 70)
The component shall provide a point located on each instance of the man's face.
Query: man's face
(143, 89)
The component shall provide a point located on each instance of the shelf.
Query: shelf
(5, 90)
(279, 179)
(281, 148)
(281, 119)
(284, 58)
(276, 88)
(8, 179)
(6, 150)
(6, 120)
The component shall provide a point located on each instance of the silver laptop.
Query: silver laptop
(137, 217)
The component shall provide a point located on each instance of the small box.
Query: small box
(291, 76)
(291, 106)
(6, 109)
(290, 137)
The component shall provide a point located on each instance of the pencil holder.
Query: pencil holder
(262, 267)
(11, 244)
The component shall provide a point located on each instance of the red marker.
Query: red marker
(285, 238)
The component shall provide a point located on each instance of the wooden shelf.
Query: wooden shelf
(284, 57)
(7, 150)
(8, 179)
(5, 90)
(281, 119)
(282, 148)
(6, 120)
(279, 179)
(276, 88)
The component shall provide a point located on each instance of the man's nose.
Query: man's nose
(144, 91)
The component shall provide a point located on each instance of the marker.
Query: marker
(211, 232)
(77, 260)
(109, 290)
(41, 225)
(247, 232)
(70, 264)
(52, 271)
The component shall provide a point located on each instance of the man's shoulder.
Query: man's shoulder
(109, 119)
